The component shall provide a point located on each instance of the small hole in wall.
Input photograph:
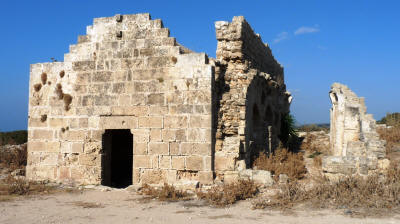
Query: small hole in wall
(62, 130)
(59, 91)
(37, 87)
(43, 118)
(123, 122)
(67, 101)
(62, 74)
(43, 77)
(174, 60)
(187, 83)
(48, 83)
(161, 79)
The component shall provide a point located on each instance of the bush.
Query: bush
(228, 194)
(165, 193)
(14, 137)
(282, 162)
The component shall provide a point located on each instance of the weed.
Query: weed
(282, 162)
(161, 79)
(228, 194)
(165, 193)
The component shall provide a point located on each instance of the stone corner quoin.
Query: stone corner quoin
(129, 88)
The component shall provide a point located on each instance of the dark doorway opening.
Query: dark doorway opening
(117, 158)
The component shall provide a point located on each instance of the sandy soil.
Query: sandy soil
(121, 206)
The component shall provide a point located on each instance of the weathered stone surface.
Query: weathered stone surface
(354, 143)
(128, 74)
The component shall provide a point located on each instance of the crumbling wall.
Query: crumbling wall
(354, 142)
(126, 73)
(249, 95)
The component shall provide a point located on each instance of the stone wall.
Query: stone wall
(249, 95)
(126, 73)
(354, 142)
(190, 116)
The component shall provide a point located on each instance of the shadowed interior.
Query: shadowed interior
(117, 158)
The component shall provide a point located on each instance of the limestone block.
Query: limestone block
(156, 99)
(43, 134)
(142, 161)
(43, 146)
(200, 121)
(339, 164)
(206, 177)
(199, 135)
(153, 176)
(195, 148)
(150, 122)
(178, 162)
(155, 135)
(50, 159)
(168, 135)
(118, 122)
(140, 148)
(165, 162)
(263, 177)
(224, 163)
(175, 122)
(141, 135)
(194, 163)
(90, 159)
(77, 147)
(174, 148)
(158, 148)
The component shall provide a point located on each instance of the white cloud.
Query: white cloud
(305, 29)
(280, 37)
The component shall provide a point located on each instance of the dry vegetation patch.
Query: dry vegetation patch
(228, 194)
(282, 161)
(372, 192)
(391, 136)
(164, 193)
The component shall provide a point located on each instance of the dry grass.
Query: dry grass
(392, 137)
(14, 159)
(165, 193)
(282, 162)
(373, 192)
(228, 194)
(13, 186)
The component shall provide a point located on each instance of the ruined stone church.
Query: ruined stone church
(130, 105)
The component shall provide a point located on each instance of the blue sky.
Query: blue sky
(318, 43)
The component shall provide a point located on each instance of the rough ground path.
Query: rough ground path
(121, 206)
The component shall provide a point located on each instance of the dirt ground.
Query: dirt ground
(122, 206)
